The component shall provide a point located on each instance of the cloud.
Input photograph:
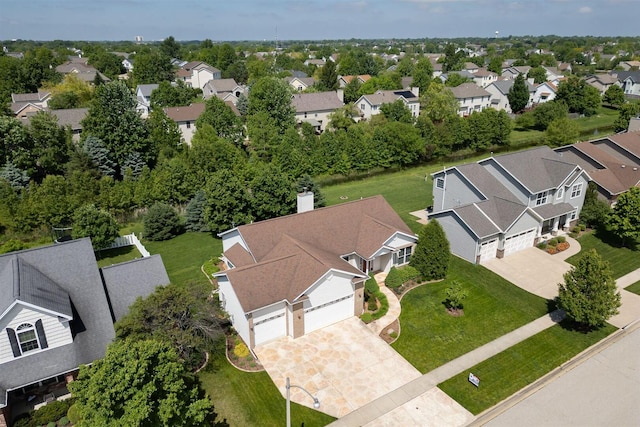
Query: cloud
(585, 9)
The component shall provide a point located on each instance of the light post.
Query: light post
(288, 385)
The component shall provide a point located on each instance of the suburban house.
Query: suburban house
(499, 91)
(602, 82)
(629, 65)
(613, 162)
(369, 105)
(503, 204)
(544, 92)
(630, 82)
(25, 104)
(318, 62)
(80, 68)
(127, 64)
(345, 80)
(197, 73)
(315, 108)
(186, 118)
(57, 311)
(470, 97)
(292, 275)
(484, 78)
(300, 83)
(514, 71)
(69, 118)
(225, 89)
(554, 75)
(143, 96)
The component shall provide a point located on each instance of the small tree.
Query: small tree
(455, 295)
(431, 257)
(561, 131)
(589, 295)
(98, 224)
(614, 96)
(161, 222)
(624, 220)
(594, 211)
(518, 95)
(194, 220)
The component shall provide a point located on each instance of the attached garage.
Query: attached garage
(488, 250)
(327, 314)
(520, 241)
(270, 328)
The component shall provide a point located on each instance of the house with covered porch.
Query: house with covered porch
(295, 274)
(507, 203)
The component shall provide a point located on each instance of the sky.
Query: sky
(229, 20)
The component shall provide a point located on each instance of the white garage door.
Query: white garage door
(519, 242)
(270, 328)
(488, 250)
(328, 314)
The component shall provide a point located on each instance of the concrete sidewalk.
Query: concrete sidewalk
(387, 409)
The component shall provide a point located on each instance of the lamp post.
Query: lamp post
(288, 385)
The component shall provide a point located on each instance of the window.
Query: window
(27, 338)
(362, 107)
(559, 193)
(573, 215)
(440, 183)
(402, 256)
(576, 190)
(541, 198)
(188, 125)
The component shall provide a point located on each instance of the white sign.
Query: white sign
(474, 380)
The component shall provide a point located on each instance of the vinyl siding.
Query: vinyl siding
(462, 242)
(58, 333)
(231, 305)
(457, 192)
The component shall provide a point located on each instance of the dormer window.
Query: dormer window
(541, 198)
(27, 337)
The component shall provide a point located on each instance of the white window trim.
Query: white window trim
(24, 329)
(560, 193)
(541, 198)
(576, 190)
(405, 257)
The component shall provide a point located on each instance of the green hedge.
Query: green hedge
(394, 279)
(371, 285)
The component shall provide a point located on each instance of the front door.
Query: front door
(366, 266)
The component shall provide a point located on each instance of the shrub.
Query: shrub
(241, 350)
(366, 317)
(561, 239)
(74, 414)
(583, 227)
(573, 234)
(371, 285)
(23, 420)
(63, 421)
(372, 303)
(384, 306)
(394, 279)
(553, 242)
(51, 412)
(455, 295)
(408, 273)
(552, 250)
(161, 222)
(12, 245)
(542, 245)
(51, 424)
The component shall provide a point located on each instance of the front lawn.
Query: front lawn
(622, 260)
(184, 255)
(429, 337)
(505, 373)
(635, 288)
(251, 399)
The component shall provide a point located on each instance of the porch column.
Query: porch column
(252, 334)
(298, 319)
(358, 300)
(554, 229)
(500, 251)
(567, 222)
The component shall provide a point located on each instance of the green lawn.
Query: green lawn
(251, 399)
(635, 288)
(518, 366)
(599, 124)
(622, 260)
(184, 255)
(117, 255)
(430, 337)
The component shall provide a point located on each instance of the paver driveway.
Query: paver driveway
(345, 365)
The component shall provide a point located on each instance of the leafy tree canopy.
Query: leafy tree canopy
(98, 224)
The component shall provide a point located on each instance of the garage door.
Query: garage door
(519, 241)
(328, 313)
(270, 328)
(488, 250)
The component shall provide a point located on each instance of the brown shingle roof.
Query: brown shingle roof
(319, 101)
(183, 114)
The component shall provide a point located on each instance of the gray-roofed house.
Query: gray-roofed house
(503, 204)
(499, 91)
(300, 83)
(56, 314)
(292, 275)
(25, 104)
(197, 73)
(630, 81)
(70, 118)
(470, 97)
(315, 108)
(369, 105)
(143, 96)
(225, 89)
(602, 82)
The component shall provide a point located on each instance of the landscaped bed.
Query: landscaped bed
(518, 366)
(430, 337)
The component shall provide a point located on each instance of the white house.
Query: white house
(197, 73)
(369, 105)
(186, 118)
(143, 97)
(471, 97)
(295, 274)
(315, 108)
(544, 92)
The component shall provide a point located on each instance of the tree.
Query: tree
(305, 182)
(99, 156)
(431, 256)
(624, 220)
(223, 120)
(579, 96)
(182, 316)
(627, 111)
(273, 193)
(422, 74)
(328, 77)
(547, 112)
(455, 295)
(561, 131)
(272, 96)
(538, 74)
(50, 146)
(169, 95)
(518, 94)
(455, 79)
(594, 211)
(352, 90)
(71, 93)
(16, 178)
(152, 67)
(98, 224)
(614, 95)
(161, 222)
(228, 202)
(170, 48)
(589, 295)
(194, 213)
(397, 111)
(438, 103)
(140, 383)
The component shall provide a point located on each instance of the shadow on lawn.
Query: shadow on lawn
(612, 240)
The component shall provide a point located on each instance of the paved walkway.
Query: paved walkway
(408, 404)
(378, 326)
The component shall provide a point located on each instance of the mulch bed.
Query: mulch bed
(391, 332)
(249, 363)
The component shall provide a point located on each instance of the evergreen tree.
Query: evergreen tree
(328, 77)
(594, 210)
(431, 256)
(134, 163)
(589, 295)
(243, 104)
(518, 95)
(161, 222)
(17, 178)
(99, 156)
(306, 182)
(194, 220)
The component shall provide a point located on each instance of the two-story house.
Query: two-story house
(197, 73)
(602, 82)
(630, 82)
(186, 118)
(315, 108)
(503, 204)
(225, 89)
(499, 91)
(143, 97)
(369, 105)
(300, 84)
(470, 97)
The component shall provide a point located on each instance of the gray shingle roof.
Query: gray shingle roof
(146, 90)
(549, 210)
(476, 220)
(504, 86)
(71, 117)
(129, 280)
(468, 90)
(319, 101)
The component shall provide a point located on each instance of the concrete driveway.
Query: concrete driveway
(344, 365)
(534, 270)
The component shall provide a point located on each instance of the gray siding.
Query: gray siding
(457, 192)
(526, 222)
(463, 243)
(578, 201)
(507, 180)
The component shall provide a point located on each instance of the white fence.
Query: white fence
(129, 240)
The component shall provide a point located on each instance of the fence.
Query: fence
(129, 240)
